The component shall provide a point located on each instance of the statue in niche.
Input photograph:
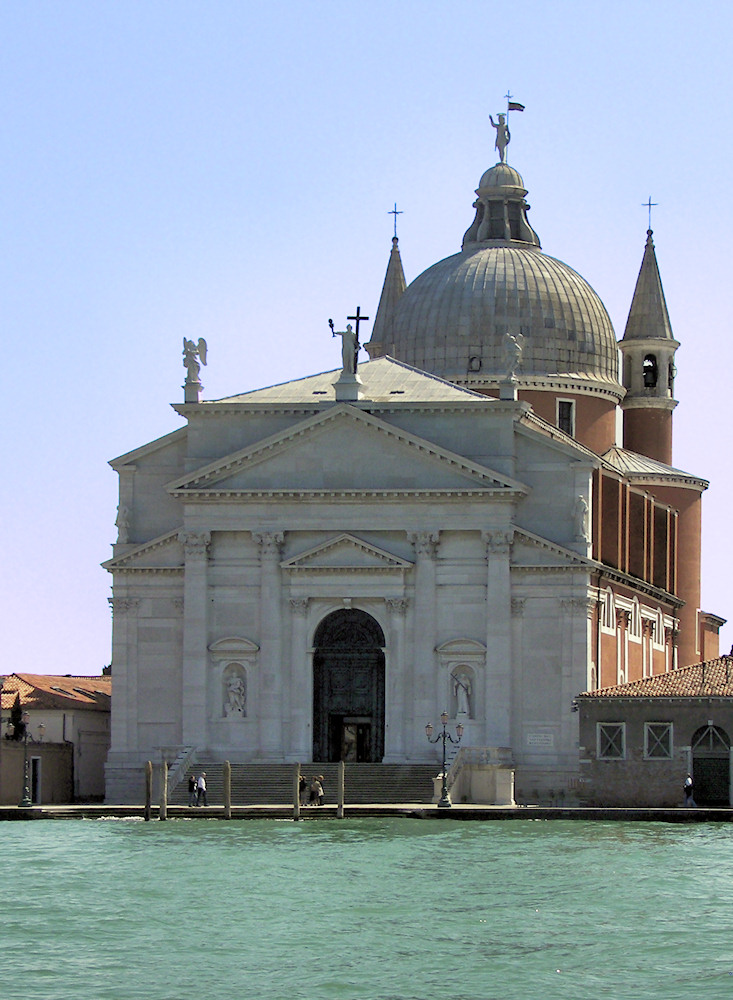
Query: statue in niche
(236, 697)
(191, 353)
(462, 692)
(513, 350)
(349, 347)
(580, 516)
(503, 136)
(122, 523)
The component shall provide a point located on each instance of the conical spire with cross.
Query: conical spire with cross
(648, 349)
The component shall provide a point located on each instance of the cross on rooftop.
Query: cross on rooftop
(358, 318)
(393, 211)
(650, 205)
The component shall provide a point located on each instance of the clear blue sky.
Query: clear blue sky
(225, 170)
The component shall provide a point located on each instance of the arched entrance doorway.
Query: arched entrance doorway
(711, 766)
(348, 688)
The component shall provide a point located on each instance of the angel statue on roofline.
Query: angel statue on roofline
(513, 350)
(191, 353)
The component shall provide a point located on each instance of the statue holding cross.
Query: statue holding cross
(349, 342)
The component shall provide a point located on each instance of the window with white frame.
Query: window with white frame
(611, 741)
(635, 620)
(658, 740)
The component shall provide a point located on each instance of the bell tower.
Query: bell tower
(648, 351)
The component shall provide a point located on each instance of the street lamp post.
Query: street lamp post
(445, 802)
(25, 802)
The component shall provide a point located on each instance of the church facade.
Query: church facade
(315, 570)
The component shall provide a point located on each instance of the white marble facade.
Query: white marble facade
(447, 517)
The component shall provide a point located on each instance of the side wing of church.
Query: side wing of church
(313, 571)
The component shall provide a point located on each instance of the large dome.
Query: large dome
(455, 319)
(452, 320)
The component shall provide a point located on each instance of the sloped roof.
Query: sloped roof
(383, 380)
(648, 316)
(48, 692)
(641, 468)
(711, 679)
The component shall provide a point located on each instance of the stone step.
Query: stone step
(271, 784)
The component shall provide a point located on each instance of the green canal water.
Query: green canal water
(390, 909)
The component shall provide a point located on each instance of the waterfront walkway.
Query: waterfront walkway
(459, 811)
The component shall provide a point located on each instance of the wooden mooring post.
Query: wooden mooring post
(341, 788)
(148, 789)
(227, 790)
(163, 811)
(296, 791)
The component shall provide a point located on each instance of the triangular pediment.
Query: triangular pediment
(534, 550)
(345, 552)
(161, 554)
(343, 450)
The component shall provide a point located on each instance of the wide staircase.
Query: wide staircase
(272, 784)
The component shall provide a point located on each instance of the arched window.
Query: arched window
(650, 371)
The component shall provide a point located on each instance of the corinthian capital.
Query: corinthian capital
(270, 542)
(123, 605)
(425, 542)
(498, 541)
(195, 543)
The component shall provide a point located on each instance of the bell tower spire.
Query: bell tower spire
(394, 286)
(648, 349)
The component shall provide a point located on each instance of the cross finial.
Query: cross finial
(358, 319)
(650, 205)
(393, 211)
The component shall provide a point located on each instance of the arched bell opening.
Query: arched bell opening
(650, 371)
(348, 688)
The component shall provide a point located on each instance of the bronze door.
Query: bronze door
(348, 688)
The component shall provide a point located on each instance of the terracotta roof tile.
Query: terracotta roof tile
(711, 679)
(48, 691)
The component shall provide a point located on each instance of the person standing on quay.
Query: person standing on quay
(192, 790)
(689, 801)
(201, 789)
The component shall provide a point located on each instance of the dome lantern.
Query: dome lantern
(501, 211)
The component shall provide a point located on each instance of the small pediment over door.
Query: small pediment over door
(345, 553)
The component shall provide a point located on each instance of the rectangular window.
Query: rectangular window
(611, 737)
(566, 416)
(658, 740)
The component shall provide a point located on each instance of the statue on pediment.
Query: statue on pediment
(349, 347)
(513, 351)
(581, 518)
(191, 354)
(122, 523)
